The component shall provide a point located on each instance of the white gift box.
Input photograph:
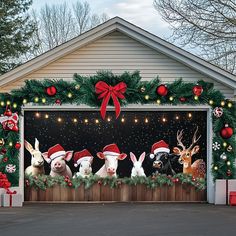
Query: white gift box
(220, 190)
(16, 200)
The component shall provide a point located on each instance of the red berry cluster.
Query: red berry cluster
(68, 181)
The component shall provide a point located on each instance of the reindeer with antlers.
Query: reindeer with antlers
(197, 169)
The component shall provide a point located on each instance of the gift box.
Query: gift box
(11, 200)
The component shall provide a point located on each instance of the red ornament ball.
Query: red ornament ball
(197, 90)
(51, 90)
(182, 99)
(17, 145)
(5, 159)
(58, 102)
(8, 112)
(228, 173)
(226, 132)
(162, 90)
(69, 184)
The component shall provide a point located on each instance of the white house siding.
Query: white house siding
(118, 53)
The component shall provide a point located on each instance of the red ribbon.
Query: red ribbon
(106, 91)
(11, 193)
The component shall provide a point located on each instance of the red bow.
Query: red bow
(106, 91)
(10, 197)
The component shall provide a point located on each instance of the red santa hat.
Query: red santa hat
(56, 151)
(83, 155)
(111, 149)
(160, 146)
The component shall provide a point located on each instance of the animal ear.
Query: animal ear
(100, 155)
(122, 156)
(195, 150)
(141, 158)
(133, 157)
(91, 160)
(45, 157)
(176, 151)
(68, 155)
(28, 146)
(36, 144)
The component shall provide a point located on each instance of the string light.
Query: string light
(37, 114)
(158, 101)
(195, 97)
(222, 103)
(190, 115)
(96, 121)
(228, 163)
(211, 102)
(108, 119)
(146, 97)
(46, 116)
(59, 119)
(24, 101)
(171, 98)
(224, 144)
(10, 144)
(14, 105)
(215, 167)
(86, 121)
(230, 105)
(164, 119)
(75, 120)
(8, 103)
(36, 99)
(122, 120)
(69, 95)
(2, 103)
(135, 120)
(177, 117)
(43, 100)
(146, 120)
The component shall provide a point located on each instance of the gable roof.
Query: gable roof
(132, 31)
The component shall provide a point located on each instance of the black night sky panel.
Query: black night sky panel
(128, 135)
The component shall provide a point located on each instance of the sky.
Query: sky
(138, 12)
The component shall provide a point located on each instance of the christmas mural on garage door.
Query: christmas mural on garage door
(106, 147)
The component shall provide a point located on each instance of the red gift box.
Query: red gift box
(232, 198)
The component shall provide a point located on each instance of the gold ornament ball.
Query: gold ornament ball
(36, 99)
(158, 101)
(211, 102)
(215, 167)
(77, 87)
(222, 103)
(146, 97)
(69, 95)
(230, 105)
(224, 144)
(142, 89)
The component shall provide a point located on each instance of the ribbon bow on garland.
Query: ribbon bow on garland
(106, 91)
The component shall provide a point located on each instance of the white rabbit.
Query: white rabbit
(37, 160)
(85, 168)
(137, 169)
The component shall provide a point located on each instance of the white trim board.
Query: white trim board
(149, 107)
(132, 31)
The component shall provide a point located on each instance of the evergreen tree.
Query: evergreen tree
(16, 29)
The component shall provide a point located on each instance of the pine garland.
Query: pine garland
(82, 91)
(44, 182)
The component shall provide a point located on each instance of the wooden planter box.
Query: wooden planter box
(124, 193)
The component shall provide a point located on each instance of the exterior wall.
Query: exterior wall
(118, 53)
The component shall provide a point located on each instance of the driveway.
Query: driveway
(118, 219)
